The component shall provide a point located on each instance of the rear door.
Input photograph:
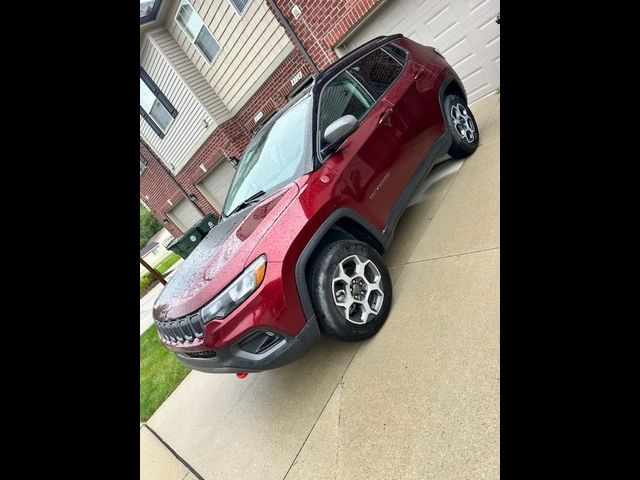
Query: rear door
(390, 77)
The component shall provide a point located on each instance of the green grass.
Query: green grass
(168, 262)
(160, 373)
(147, 279)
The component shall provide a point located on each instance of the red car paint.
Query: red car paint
(367, 175)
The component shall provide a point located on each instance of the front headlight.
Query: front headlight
(232, 296)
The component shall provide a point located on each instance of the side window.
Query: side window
(399, 53)
(378, 70)
(344, 95)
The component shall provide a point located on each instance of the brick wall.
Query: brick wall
(324, 22)
(227, 139)
(156, 187)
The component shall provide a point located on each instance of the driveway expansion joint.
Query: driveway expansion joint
(175, 454)
(295, 459)
(454, 255)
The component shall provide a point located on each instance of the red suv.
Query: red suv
(311, 209)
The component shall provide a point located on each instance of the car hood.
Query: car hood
(220, 257)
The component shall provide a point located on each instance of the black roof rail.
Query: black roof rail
(353, 55)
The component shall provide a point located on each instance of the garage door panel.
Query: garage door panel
(463, 30)
(475, 4)
(459, 53)
(184, 214)
(394, 17)
(476, 83)
(442, 22)
(216, 184)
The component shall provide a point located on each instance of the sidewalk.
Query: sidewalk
(146, 302)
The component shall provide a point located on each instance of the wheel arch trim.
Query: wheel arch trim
(312, 244)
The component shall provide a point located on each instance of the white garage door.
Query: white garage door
(184, 214)
(216, 184)
(464, 31)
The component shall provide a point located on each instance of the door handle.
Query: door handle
(419, 73)
(385, 116)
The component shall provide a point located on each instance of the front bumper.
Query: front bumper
(214, 347)
(231, 359)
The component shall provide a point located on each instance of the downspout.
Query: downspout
(283, 21)
(184, 192)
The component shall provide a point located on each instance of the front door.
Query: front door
(366, 160)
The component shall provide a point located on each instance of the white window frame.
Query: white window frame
(164, 130)
(202, 25)
(241, 13)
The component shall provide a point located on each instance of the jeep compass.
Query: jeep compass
(311, 209)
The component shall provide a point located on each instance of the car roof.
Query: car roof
(323, 76)
(350, 57)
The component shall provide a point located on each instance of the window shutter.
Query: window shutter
(159, 95)
(151, 123)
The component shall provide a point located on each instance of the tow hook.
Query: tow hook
(242, 374)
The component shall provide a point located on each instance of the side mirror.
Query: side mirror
(340, 128)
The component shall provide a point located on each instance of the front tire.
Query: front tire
(462, 126)
(350, 290)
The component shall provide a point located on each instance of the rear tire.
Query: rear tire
(462, 127)
(351, 290)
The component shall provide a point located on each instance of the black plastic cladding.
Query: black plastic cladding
(182, 329)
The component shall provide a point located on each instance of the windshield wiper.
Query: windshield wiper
(245, 203)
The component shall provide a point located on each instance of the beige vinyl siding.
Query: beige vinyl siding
(250, 44)
(186, 129)
(178, 59)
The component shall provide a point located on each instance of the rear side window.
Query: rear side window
(399, 53)
(378, 71)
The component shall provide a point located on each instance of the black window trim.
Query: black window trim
(161, 98)
(152, 14)
(390, 52)
(144, 163)
(365, 85)
(241, 13)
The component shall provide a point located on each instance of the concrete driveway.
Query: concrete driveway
(420, 400)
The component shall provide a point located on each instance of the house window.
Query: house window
(195, 29)
(155, 108)
(143, 164)
(240, 5)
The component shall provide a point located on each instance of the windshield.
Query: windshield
(277, 155)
